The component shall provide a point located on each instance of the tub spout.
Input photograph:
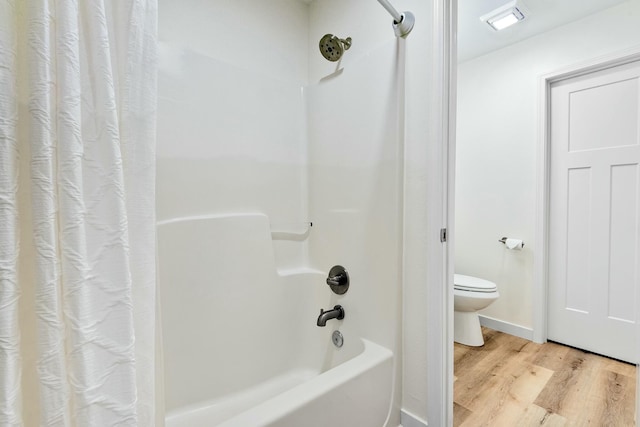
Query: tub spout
(336, 313)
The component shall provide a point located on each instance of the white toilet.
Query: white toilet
(470, 294)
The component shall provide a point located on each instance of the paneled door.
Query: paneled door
(594, 206)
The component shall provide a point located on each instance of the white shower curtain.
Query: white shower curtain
(77, 221)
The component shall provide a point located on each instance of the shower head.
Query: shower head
(332, 47)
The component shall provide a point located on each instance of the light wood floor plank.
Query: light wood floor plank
(551, 356)
(474, 379)
(609, 402)
(619, 367)
(514, 382)
(465, 358)
(536, 416)
(569, 386)
(509, 403)
(460, 414)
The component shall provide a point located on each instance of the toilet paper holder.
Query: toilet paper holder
(504, 240)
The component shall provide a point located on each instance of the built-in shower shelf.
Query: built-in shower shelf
(299, 271)
(291, 231)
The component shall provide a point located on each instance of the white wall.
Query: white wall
(496, 149)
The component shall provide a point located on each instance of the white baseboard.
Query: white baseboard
(506, 327)
(407, 419)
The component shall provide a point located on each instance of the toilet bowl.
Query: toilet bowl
(470, 294)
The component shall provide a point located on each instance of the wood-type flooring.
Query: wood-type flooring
(514, 382)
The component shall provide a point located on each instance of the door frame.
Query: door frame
(440, 282)
(542, 238)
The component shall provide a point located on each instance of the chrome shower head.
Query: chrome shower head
(332, 47)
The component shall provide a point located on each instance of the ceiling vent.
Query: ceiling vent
(504, 16)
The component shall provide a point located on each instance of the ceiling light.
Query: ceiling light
(504, 16)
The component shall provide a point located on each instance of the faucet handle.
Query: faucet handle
(338, 279)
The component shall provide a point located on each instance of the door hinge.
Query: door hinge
(443, 235)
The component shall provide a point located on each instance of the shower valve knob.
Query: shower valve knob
(338, 279)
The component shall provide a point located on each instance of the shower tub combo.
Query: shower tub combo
(238, 355)
(243, 343)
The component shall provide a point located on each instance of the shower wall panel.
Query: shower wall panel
(355, 184)
(231, 116)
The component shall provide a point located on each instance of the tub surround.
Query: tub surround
(225, 265)
(271, 152)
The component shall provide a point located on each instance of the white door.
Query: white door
(593, 223)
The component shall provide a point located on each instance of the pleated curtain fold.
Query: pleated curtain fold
(77, 212)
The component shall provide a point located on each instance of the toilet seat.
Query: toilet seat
(472, 284)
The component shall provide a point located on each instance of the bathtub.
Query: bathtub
(354, 393)
(241, 345)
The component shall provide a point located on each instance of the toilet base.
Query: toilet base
(466, 328)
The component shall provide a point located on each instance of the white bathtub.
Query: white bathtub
(241, 345)
(355, 393)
